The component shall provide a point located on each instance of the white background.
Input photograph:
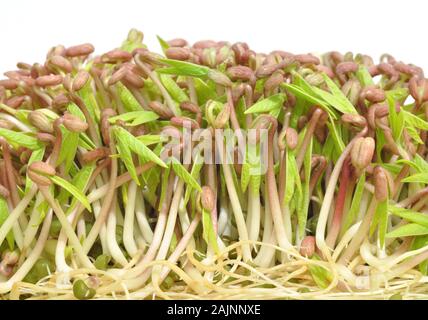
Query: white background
(29, 28)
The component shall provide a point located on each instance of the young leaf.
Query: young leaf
(413, 133)
(19, 139)
(266, 105)
(149, 139)
(85, 142)
(245, 175)
(75, 110)
(204, 90)
(88, 97)
(312, 98)
(137, 146)
(355, 204)
(127, 98)
(418, 243)
(418, 177)
(208, 231)
(80, 181)
(409, 215)
(70, 141)
(164, 45)
(341, 102)
(414, 120)
(408, 230)
(321, 275)
(195, 173)
(126, 156)
(184, 174)
(182, 68)
(174, 90)
(363, 75)
(73, 190)
(138, 117)
(338, 142)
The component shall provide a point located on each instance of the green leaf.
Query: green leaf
(208, 232)
(419, 243)
(418, 177)
(75, 110)
(337, 139)
(126, 157)
(70, 141)
(300, 93)
(266, 105)
(138, 117)
(182, 68)
(85, 142)
(413, 133)
(4, 214)
(363, 75)
(409, 215)
(73, 190)
(204, 90)
(88, 97)
(184, 175)
(174, 90)
(80, 181)
(149, 139)
(19, 139)
(290, 169)
(408, 230)
(127, 98)
(245, 175)
(355, 204)
(418, 163)
(414, 120)
(321, 275)
(339, 101)
(195, 173)
(164, 45)
(398, 94)
(36, 155)
(395, 119)
(137, 146)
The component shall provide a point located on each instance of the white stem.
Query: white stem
(32, 258)
(60, 262)
(237, 211)
(72, 237)
(33, 224)
(143, 221)
(267, 253)
(113, 247)
(172, 218)
(128, 225)
(14, 215)
(253, 218)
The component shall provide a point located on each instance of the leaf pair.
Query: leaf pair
(135, 118)
(181, 68)
(418, 225)
(126, 144)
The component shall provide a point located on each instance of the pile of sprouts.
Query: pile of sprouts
(311, 181)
